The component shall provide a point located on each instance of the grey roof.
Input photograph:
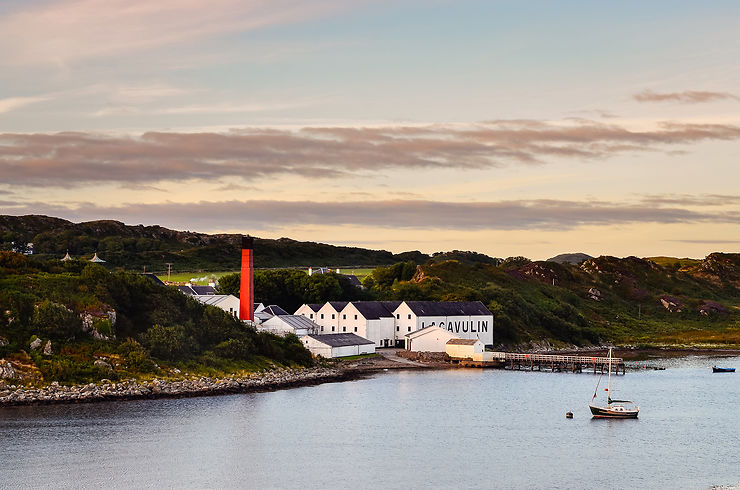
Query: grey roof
(338, 305)
(298, 321)
(149, 276)
(341, 339)
(275, 310)
(196, 290)
(372, 310)
(212, 299)
(314, 306)
(353, 279)
(462, 341)
(447, 308)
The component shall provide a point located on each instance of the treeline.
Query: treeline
(153, 247)
(122, 320)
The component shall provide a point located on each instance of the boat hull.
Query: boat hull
(614, 412)
(722, 370)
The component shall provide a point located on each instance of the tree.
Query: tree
(56, 321)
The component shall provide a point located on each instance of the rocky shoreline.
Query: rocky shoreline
(132, 389)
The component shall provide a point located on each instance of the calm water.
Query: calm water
(440, 429)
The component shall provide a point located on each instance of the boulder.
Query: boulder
(6, 370)
(47, 348)
(36, 344)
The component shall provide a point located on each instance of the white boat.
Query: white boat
(615, 409)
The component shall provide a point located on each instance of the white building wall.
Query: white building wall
(434, 340)
(306, 311)
(328, 318)
(317, 348)
(465, 351)
(465, 326)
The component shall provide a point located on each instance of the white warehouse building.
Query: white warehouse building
(465, 319)
(370, 319)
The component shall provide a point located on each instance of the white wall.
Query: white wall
(464, 351)
(464, 326)
(432, 340)
(306, 311)
(327, 322)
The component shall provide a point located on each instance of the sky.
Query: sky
(504, 127)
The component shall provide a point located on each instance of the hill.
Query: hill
(153, 247)
(605, 299)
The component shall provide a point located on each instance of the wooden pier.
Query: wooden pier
(545, 362)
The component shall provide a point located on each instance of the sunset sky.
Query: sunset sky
(510, 128)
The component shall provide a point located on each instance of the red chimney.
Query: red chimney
(246, 295)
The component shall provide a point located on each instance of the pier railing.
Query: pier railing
(514, 356)
(515, 360)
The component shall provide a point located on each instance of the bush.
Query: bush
(169, 342)
(56, 321)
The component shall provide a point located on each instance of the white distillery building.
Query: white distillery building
(226, 302)
(465, 319)
(338, 345)
(286, 324)
(372, 320)
(309, 310)
(429, 339)
(328, 316)
(465, 349)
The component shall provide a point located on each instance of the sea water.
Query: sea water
(458, 428)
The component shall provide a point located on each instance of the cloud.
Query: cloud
(12, 103)
(77, 159)
(540, 214)
(686, 97)
(68, 30)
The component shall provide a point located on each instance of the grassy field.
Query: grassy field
(203, 277)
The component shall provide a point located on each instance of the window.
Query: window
(322, 316)
(344, 329)
(355, 317)
(344, 317)
(398, 329)
(310, 316)
(332, 329)
(409, 316)
(398, 316)
(422, 324)
(409, 329)
(355, 329)
(322, 329)
(332, 316)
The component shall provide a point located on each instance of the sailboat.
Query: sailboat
(614, 409)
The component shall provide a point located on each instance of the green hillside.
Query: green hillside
(153, 247)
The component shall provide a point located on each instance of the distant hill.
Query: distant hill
(572, 258)
(153, 247)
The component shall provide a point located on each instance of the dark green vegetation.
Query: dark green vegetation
(289, 289)
(100, 324)
(153, 247)
(630, 300)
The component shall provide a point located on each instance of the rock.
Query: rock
(36, 344)
(6, 370)
(594, 294)
(103, 364)
(47, 348)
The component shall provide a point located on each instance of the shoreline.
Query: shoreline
(278, 379)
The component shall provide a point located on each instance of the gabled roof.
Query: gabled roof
(203, 289)
(213, 299)
(274, 310)
(373, 310)
(427, 330)
(354, 280)
(314, 306)
(295, 321)
(447, 308)
(462, 341)
(338, 305)
(153, 278)
(341, 339)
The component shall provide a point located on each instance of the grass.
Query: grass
(354, 358)
(202, 277)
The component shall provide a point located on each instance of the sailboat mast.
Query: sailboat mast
(609, 383)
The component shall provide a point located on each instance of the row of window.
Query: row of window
(344, 316)
(344, 329)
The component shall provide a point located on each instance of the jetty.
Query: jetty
(543, 362)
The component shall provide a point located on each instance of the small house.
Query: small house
(287, 324)
(338, 345)
(464, 348)
(429, 339)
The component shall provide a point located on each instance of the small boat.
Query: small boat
(716, 369)
(614, 409)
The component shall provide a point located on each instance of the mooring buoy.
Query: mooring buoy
(568, 415)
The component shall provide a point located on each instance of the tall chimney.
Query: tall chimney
(246, 287)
